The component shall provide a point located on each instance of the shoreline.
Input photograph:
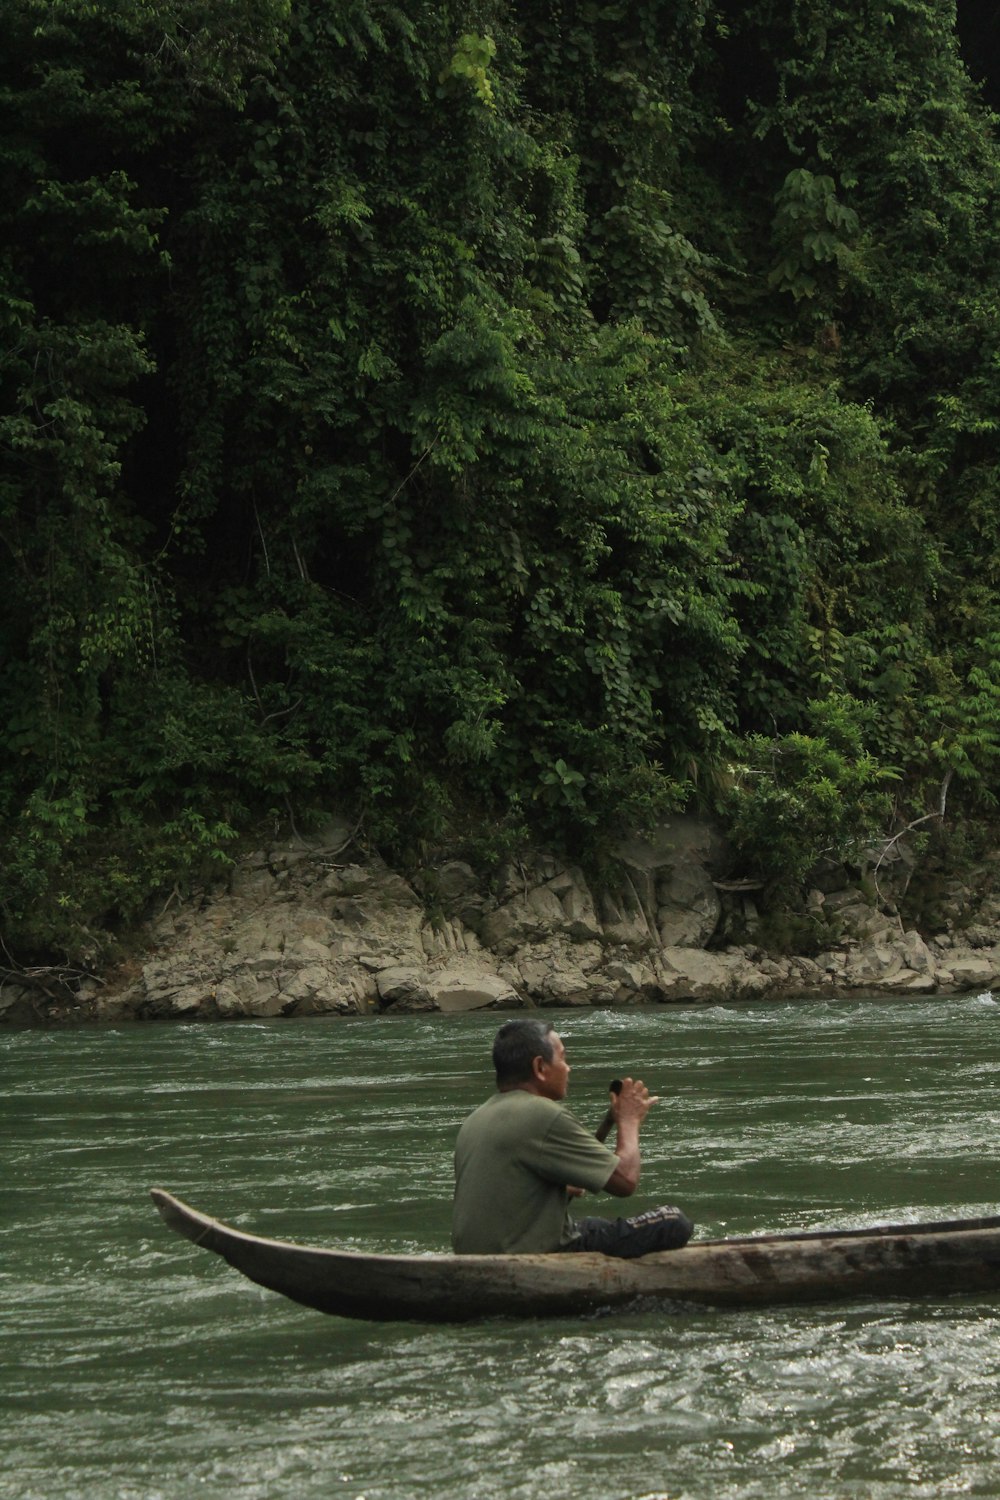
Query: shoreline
(300, 930)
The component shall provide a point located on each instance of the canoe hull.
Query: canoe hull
(900, 1261)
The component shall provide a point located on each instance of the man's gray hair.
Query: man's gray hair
(516, 1046)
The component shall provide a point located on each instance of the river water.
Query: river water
(135, 1367)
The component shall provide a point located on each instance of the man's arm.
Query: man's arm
(630, 1107)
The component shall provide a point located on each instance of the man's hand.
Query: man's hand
(633, 1103)
(630, 1108)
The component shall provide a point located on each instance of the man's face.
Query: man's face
(553, 1077)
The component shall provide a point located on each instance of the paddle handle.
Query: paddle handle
(604, 1129)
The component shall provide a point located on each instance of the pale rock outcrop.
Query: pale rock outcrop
(301, 934)
(403, 989)
(249, 996)
(313, 927)
(452, 991)
(688, 907)
(623, 919)
(971, 971)
(692, 974)
(411, 989)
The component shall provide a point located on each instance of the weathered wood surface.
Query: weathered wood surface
(908, 1260)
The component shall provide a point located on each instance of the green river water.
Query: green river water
(135, 1367)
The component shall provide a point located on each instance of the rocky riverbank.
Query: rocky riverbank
(311, 927)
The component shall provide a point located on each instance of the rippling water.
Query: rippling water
(134, 1367)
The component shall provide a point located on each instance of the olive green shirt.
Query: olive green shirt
(514, 1159)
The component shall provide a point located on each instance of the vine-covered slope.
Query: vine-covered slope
(515, 419)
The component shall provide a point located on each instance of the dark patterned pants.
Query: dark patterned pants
(663, 1228)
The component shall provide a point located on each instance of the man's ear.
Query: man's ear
(538, 1066)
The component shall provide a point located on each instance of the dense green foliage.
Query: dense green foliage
(518, 419)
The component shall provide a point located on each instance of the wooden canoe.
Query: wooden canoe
(903, 1260)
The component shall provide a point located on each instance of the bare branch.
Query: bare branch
(926, 818)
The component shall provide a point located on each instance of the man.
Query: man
(521, 1156)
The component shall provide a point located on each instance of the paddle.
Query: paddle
(604, 1129)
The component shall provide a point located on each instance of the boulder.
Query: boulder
(520, 920)
(403, 989)
(856, 919)
(971, 971)
(871, 966)
(248, 996)
(455, 991)
(692, 974)
(907, 982)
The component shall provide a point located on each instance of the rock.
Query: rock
(17, 1003)
(578, 913)
(692, 974)
(403, 988)
(907, 981)
(394, 893)
(249, 996)
(306, 983)
(546, 907)
(751, 916)
(193, 1000)
(871, 966)
(848, 899)
(454, 991)
(971, 971)
(125, 1005)
(627, 976)
(863, 922)
(915, 953)
(688, 907)
(569, 987)
(453, 889)
(265, 963)
(522, 919)
(332, 1000)
(623, 920)
(295, 933)
(350, 880)
(978, 935)
(251, 885)
(445, 936)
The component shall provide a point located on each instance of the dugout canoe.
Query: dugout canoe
(896, 1261)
